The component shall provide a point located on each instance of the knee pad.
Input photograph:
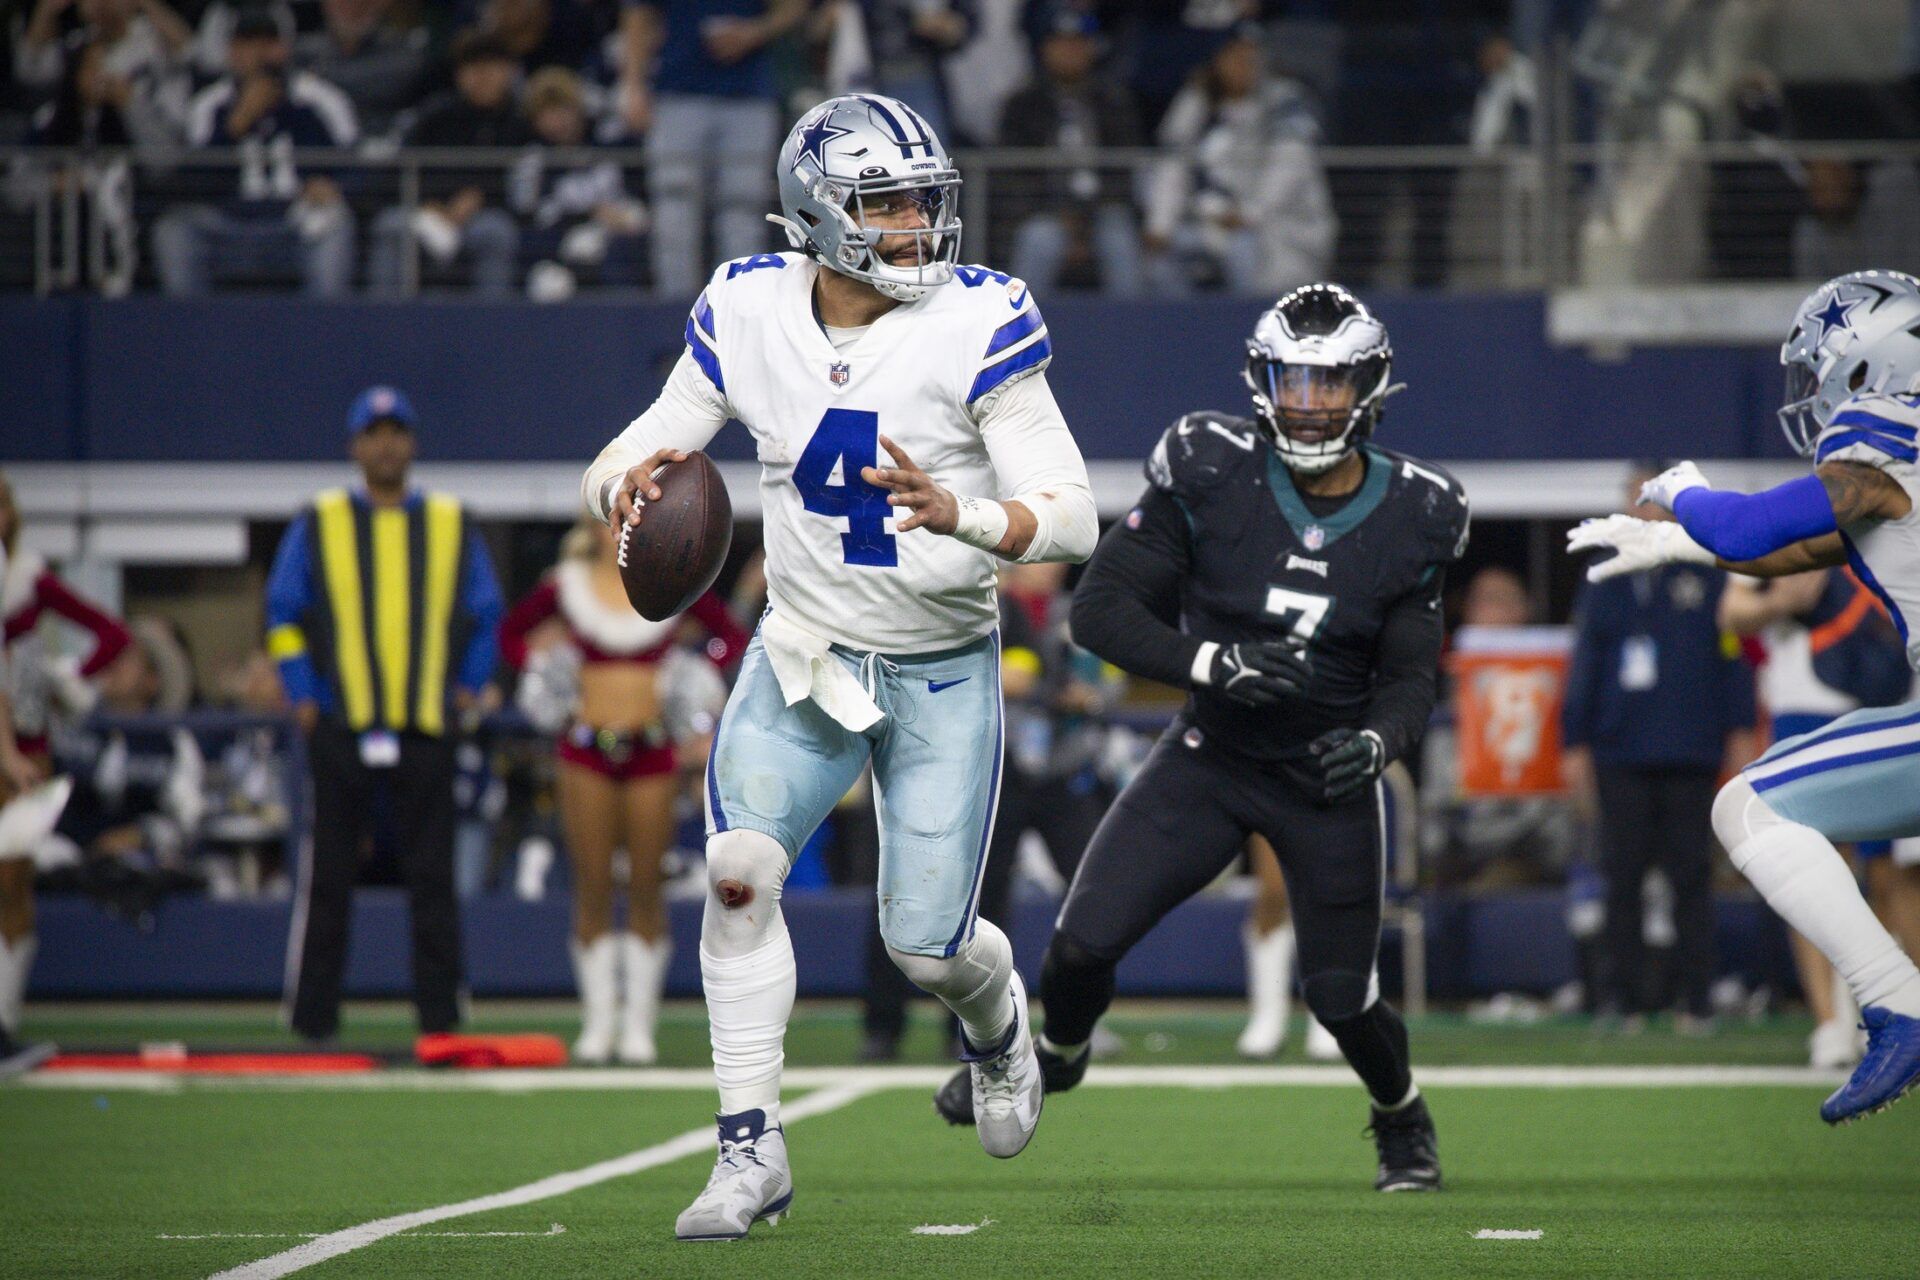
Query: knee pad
(981, 961)
(1739, 814)
(744, 868)
(1063, 953)
(1338, 994)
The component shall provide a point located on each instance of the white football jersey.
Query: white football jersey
(920, 375)
(1883, 431)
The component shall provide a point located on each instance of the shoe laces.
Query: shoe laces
(734, 1159)
(1399, 1143)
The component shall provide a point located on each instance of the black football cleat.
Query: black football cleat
(954, 1099)
(1409, 1148)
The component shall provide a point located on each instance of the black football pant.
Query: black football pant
(1658, 817)
(420, 802)
(1063, 814)
(1181, 821)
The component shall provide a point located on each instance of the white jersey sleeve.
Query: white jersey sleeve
(1882, 431)
(686, 415)
(1037, 463)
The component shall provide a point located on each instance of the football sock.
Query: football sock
(1076, 987)
(643, 968)
(1270, 972)
(746, 969)
(1066, 1051)
(973, 982)
(1803, 877)
(1375, 1045)
(16, 958)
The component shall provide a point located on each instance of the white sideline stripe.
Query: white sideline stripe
(927, 1077)
(555, 1230)
(1487, 1234)
(692, 1142)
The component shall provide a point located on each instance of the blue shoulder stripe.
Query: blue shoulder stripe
(1014, 330)
(703, 314)
(705, 356)
(1873, 422)
(1872, 440)
(1019, 362)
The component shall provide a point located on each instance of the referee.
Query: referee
(380, 612)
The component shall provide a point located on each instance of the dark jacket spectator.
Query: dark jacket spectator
(379, 61)
(134, 52)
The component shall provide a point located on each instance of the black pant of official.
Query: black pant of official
(1062, 810)
(1658, 817)
(1181, 821)
(419, 791)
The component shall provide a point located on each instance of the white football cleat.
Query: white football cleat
(750, 1183)
(595, 971)
(1321, 1046)
(1007, 1087)
(1265, 1032)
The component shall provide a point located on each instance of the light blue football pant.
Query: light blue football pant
(780, 769)
(1857, 778)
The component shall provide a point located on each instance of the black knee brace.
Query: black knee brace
(1336, 994)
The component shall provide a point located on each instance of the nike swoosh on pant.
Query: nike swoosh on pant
(935, 686)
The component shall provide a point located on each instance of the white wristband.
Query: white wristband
(982, 523)
(1202, 671)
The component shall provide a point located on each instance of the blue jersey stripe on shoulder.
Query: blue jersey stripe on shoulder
(1873, 422)
(1014, 330)
(1020, 361)
(706, 357)
(1872, 440)
(703, 314)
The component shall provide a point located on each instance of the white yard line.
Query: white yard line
(926, 1077)
(693, 1142)
(555, 1230)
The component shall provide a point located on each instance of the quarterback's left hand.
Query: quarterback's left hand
(1664, 489)
(929, 505)
(1349, 760)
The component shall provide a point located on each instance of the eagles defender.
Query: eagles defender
(1853, 408)
(880, 643)
(1288, 571)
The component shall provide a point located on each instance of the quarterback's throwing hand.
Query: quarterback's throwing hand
(1349, 760)
(1637, 545)
(1665, 489)
(1259, 673)
(928, 505)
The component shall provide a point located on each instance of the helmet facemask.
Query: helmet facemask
(902, 262)
(1316, 414)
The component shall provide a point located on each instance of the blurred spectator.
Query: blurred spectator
(899, 48)
(248, 816)
(1753, 202)
(1243, 202)
(1503, 110)
(1171, 40)
(1659, 703)
(1076, 223)
(278, 216)
(580, 220)
(382, 684)
(462, 213)
(375, 51)
(133, 50)
(598, 681)
(545, 33)
(696, 77)
(1856, 213)
(993, 65)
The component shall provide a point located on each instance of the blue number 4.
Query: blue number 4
(850, 437)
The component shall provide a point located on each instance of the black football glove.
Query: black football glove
(1259, 672)
(1349, 760)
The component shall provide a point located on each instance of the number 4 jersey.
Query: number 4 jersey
(951, 379)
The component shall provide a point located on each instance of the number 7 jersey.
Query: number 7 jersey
(924, 375)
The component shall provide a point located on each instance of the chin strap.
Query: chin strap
(795, 236)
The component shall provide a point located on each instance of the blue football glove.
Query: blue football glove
(1349, 761)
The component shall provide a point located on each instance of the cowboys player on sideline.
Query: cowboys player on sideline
(1853, 407)
(880, 643)
(1287, 571)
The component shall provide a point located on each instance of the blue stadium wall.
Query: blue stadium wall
(268, 379)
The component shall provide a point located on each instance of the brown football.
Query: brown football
(675, 552)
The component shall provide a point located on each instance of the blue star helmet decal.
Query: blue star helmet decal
(815, 137)
(1833, 315)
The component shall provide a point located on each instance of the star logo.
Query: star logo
(814, 138)
(1833, 315)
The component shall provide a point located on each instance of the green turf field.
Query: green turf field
(1204, 1179)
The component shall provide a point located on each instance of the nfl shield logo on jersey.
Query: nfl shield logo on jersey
(1313, 537)
(838, 372)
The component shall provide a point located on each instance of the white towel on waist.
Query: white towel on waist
(806, 668)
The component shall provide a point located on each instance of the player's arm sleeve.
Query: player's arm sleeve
(480, 597)
(688, 413)
(1746, 526)
(1127, 606)
(289, 594)
(1039, 466)
(528, 612)
(110, 635)
(1406, 661)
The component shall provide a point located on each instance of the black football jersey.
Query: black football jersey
(1262, 565)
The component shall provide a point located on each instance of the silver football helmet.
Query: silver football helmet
(1855, 334)
(1320, 367)
(846, 158)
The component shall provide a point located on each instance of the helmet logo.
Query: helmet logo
(815, 137)
(1833, 315)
